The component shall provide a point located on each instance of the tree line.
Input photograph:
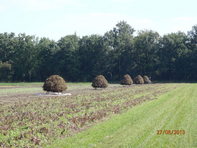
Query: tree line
(171, 57)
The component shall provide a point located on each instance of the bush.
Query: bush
(5, 71)
(54, 83)
(139, 80)
(126, 80)
(146, 79)
(99, 82)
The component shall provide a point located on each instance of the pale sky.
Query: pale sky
(57, 18)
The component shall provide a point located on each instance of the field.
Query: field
(153, 115)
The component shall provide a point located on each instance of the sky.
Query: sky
(57, 18)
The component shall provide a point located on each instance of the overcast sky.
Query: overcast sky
(58, 18)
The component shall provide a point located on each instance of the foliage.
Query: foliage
(127, 80)
(5, 71)
(173, 54)
(47, 51)
(146, 45)
(99, 82)
(118, 51)
(68, 63)
(119, 41)
(54, 83)
(92, 56)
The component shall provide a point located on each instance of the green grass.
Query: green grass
(175, 110)
(35, 87)
(22, 84)
(40, 84)
(16, 91)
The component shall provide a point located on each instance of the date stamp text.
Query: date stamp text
(170, 132)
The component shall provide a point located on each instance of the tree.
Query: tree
(193, 36)
(145, 55)
(7, 46)
(172, 53)
(191, 58)
(24, 61)
(120, 41)
(5, 71)
(92, 56)
(47, 50)
(118, 51)
(68, 57)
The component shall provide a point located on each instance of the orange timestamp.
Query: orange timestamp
(170, 132)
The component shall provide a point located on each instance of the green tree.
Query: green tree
(68, 58)
(192, 60)
(173, 54)
(24, 61)
(120, 44)
(93, 57)
(46, 58)
(7, 46)
(145, 57)
(5, 71)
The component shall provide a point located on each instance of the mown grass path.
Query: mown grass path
(137, 128)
